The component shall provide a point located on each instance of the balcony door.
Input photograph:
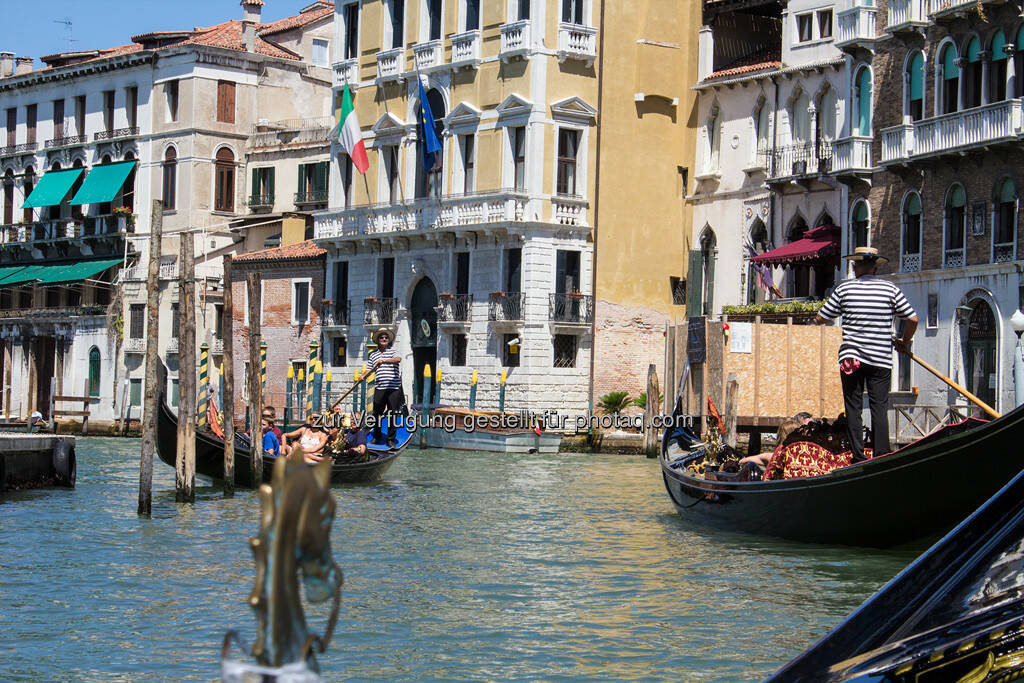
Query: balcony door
(981, 352)
(423, 331)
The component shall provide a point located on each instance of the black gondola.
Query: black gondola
(955, 614)
(210, 452)
(919, 491)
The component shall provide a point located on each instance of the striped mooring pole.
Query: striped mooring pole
(362, 391)
(311, 376)
(472, 390)
(327, 387)
(318, 380)
(204, 389)
(501, 396)
(289, 388)
(437, 387)
(220, 387)
(425, 406)
(300, 393)
(263, 371)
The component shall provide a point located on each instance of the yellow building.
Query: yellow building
(486, 260)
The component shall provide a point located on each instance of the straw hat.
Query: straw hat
(383, 330)
(868, 254)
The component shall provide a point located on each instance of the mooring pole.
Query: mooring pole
(204, 392)
(318, 378)
(437, 387)
(501, 392)
(362, 391)
(254, 284)
(152, 337)
(185, 462)
(650, 408)
(263, 370)
(424, 406)
(355, 395)
(327, 386)
(311, 377)
(289, 396)
(227, 380)
(300, 395)
(472, 390)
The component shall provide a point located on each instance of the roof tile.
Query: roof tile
(301, 250)
(758, 61)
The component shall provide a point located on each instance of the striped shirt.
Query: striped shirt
(387, 376)
(868, 306)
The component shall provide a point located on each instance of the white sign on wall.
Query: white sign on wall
(741, 337)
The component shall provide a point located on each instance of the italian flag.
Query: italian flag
(350, 135)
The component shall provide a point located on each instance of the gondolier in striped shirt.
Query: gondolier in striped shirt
(868, 306)
(388, 397)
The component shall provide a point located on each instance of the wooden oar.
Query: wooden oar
(971, 397)
(351, 389)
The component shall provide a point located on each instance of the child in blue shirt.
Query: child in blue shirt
(271, 445)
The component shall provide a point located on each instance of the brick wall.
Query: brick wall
(285, 342)
(627, 341)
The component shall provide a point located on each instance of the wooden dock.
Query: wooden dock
(29, 461)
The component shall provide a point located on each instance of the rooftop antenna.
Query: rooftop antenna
(67, 22)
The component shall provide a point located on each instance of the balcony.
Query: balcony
(515, 40)
(379, 311)
(390, 64)
(428, 56)
(485, 209)
(1003, 253)
(506, 307)
(64, 229)
(14, 150)
(316, 196)
(801, 160)
(52, 314)
(972, 129)
(852, 156)
(573, 309)
(455, 311)
(291, 132)
(217, 347)
(953, 258)
(116, 134)
(172, 346)
(466, 49)
(907, 16)
(576, 42)
(67, 141)
(334, 314)
(910, 263)
(856, 26)
(169, 270)
(346, 71)
(134, 345)
(260, 202)
(948, 10)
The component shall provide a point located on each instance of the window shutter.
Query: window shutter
(694, 283)
(917, 77)
(270, 182)
(256, 184)
(302, 178)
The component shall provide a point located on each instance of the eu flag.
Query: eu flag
(430, 145)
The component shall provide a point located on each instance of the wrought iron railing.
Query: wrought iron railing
(506, 306)
(318, 196)
(116, 133)
(52, 312)
(261, 201)
(378, 311)
(66, 141)
(291, 131)
(455, 308)
(805, 158)
(572, 308)
(334, 313)
(23, 148)
(910, 263)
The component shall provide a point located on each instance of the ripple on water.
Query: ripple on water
(460, 566)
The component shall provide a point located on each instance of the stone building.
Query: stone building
(943, 200)
(292, 292)
(779, 142)
(486, 261)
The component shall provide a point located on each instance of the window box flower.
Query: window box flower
(497, 295)
(575, 295)
(370, 300)
(446, 295)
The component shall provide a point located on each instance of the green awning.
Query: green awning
(7, 272)
(52, 188)
(56, 274)
(103, 183)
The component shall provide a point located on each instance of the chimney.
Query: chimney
(6, 64)
(23, 65)
(251, 10)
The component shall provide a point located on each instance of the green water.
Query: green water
(459, 566)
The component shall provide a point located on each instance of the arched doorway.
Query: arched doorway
(423, 332)
(980, 349)
(758, 245)
(708, 249)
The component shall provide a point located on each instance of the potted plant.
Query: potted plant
(575, 295)
(446, 295)
(497, 295)
(370, 300)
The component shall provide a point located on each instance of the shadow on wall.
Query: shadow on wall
(656, 105)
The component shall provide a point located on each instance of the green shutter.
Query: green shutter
(302, 178)
(914, 205)
(917, 77)
(958, 198)
(973, 50)
(1007, 193)
(949, 67)
(270, 182)
(864, 102)
(694, 278)
(255, 183)
(321, 176)
(94, 372)
(998, 41)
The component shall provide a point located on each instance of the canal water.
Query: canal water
(459, 566)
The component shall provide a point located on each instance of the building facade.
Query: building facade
(778, 146)
(943, 200)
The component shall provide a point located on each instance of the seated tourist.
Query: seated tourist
(785, 429)
(312, 437)
(814, 449)
(803, 418)
(271, 446)
(353, 438)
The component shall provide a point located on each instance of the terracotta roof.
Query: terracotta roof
(229, 36)
(302, 250)
(63, 58)
(301, 19)
(759, 61)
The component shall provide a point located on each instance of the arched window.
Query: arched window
(762, 130)
(997, 69)
(915, 88)
(862, 102)
(170, 178)
(8, 197)
(29, 185)
(910, 259)
(713, 132)
(955, 227)
(799, 275)
(128, 188)
(949, 80)
(428, 181)
(826, 123)
(1018, 65)
(859, 224)
(708, 249)
(758, 245)
(224, 194)
(1004, 219)
(972, 74)
(800, 121)
(94, 372)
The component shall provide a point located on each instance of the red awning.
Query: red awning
(819, 245)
